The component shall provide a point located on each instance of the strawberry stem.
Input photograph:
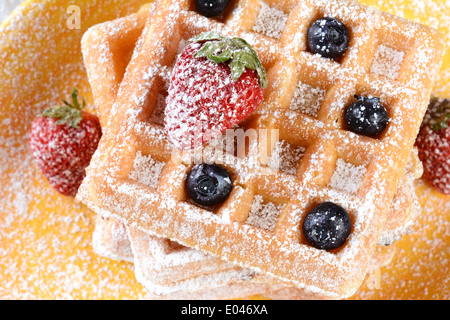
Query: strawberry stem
(69, 113)
(241, 55)
(75, 103)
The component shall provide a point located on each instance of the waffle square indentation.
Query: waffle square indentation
(264, 214)
(285, 157)
(347, 177)
(307, 99)
(387, 62)
(146, 170)
(271, 21)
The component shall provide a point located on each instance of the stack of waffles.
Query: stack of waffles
(253, 242)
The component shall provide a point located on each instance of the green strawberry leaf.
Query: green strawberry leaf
(222, 57)
(237, 69)
(65, 115)
(440, 114)
(442, 123)
(219, 49)
(213, 51)
(69, 113)
(207, 36)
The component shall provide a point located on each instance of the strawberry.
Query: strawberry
(216, 83)
(63, 140)
(433, 143)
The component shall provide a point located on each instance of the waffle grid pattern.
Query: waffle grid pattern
(283, 252)
(162, 266)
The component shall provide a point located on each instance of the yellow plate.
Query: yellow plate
(45, 238)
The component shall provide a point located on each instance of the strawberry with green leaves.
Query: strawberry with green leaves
(63, 140)
(217, 82)
(433, 143)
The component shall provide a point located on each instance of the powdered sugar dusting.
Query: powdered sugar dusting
(387, 62)
(204, 100)
(429, 12)
(164, 266)
(74, 271)
(158, 112)
(46, 239)
(271, 21)
(307, 99)
(110, 239)
(197, 221)
(264, 214)
(420, 267)
(146, 170)
(285, 157)
(347, 177)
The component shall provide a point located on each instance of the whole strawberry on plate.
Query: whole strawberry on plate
(433, 143)
(217, 82)
(63, 140)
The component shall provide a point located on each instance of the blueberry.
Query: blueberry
(211, 8)
(208, 184)
(328, 37)
(366, 116)
(327, 226)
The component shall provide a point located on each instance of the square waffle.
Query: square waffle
(164, 267)
(170, 271)
(281, 250)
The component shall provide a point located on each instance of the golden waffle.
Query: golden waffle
(161, 265)
(171, 271)
(111, 240)
(405, 208)
(111, 237)
(281, 252)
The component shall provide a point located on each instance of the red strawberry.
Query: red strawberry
(63, 140)
(433, 143)
(217, 82)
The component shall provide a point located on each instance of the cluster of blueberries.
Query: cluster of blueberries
(327, 226)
